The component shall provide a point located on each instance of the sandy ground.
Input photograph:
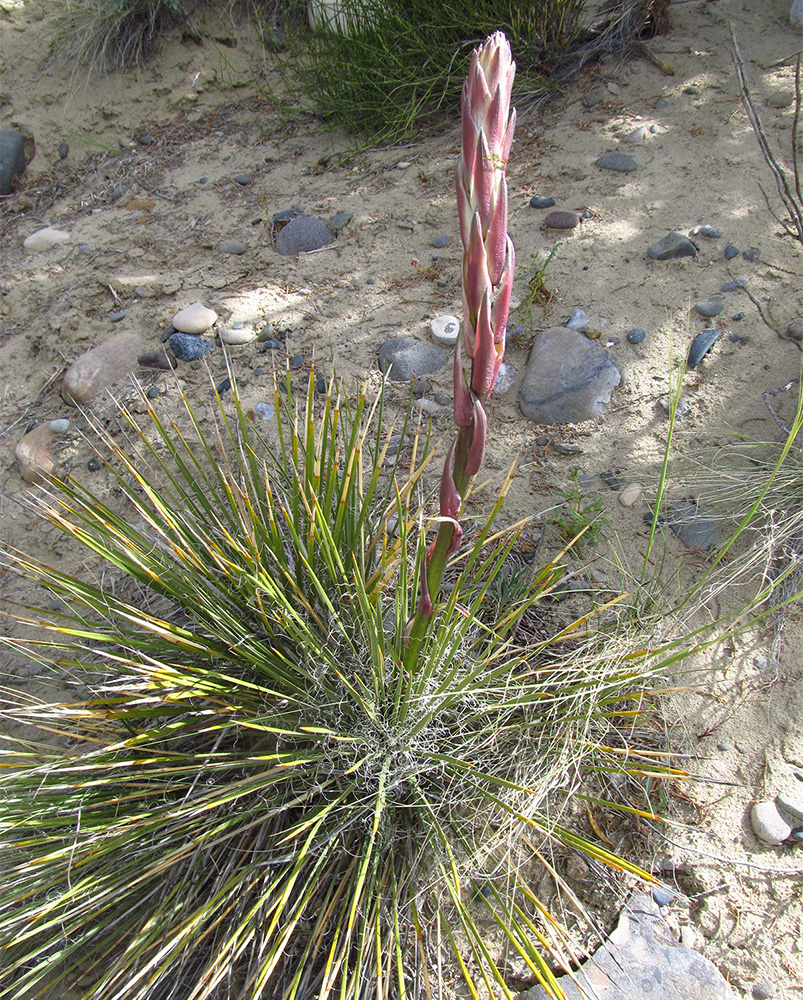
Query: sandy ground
(201, 109)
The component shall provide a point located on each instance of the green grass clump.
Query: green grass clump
(256, 799)
(113, 34)
(399, 68)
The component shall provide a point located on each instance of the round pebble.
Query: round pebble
(562, 220)
(93, 464)
(243, 179)
(232, 246)
(538, 202)
(636, 335)
(223, 386)
(795, 330)
(637, 135)
(709, 232)
(752, 254)
(440, 241)
(781, 99)
(153, 392)
(619, 162)
(196, 318)
(445, 330)
(60, 426)
(115, 317)
(763, 990)
(297, 361)
(723, 747)
(232, 335)
(272, 345)
(710, 307)
(630, 494)
(731, 251)
(768, 824)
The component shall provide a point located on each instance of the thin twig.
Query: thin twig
(793, 204)
(768, 322)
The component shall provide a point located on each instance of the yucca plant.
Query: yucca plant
(257, 799)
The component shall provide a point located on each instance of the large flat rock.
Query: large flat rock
(569, 378)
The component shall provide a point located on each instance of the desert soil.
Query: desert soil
(178, 130)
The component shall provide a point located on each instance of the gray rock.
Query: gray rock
(505, 378)
(594, 97)
(63, 150)
(781, 99)
(188, 346)
(710, 307)
(440, 241)
(701, 345)
(796, 14)
(115, 317)
(562, 220)
(682, 409)
(12, 158)
(731, 251)
(537, 201)
(734, 286)
(242, 179)
(232, 246)
(568, 378)
(763, 990)
(60, 425)
(672, 246)
(303, 234)
(795, 330)
(768, 824)
(196, 318)
(790, 805)
(662, 896)
(693, 527)
(44, 239)
(752, 255)
(578, 320)
(636, 335)
(340, 221)
(709, 232)
(642, 960)
(405, 358)
(620, 162)
(637, 135)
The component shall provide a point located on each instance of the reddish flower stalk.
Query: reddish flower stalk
(488, 266)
